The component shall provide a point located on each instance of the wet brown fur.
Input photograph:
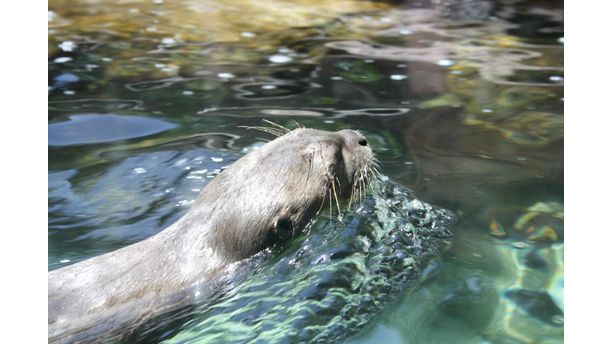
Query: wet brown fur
(265, 197)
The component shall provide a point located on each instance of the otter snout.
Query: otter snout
(353, 138)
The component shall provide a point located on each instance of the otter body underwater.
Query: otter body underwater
(267, 196)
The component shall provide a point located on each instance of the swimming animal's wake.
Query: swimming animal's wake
(331, 282)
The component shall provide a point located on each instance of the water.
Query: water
(465, 107)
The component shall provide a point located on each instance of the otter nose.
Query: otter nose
(354, 137)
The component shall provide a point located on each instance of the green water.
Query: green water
(146, 100)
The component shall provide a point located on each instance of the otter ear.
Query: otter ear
(283, 228)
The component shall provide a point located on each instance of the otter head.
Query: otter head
(270, 194)
(326, 167)
(343, 159)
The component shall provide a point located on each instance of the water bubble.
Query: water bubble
(66, 78)
(561, 40)
(285, 50)
(171, 69)
(556, 78)
(268, 87)
(106, 59)
(139, 170)
(133, 10)
(368, 61)
(168, 40)
(401, 65)
(188, 93)
(519, 245)
(226, 75)
(336, 78)
(62, 59)
(158, 1)
(247, 34)
(487, 110)
(69, 92)
(398, 77)
(405, 32)
(329, 121)
(215, 159)
(152, 29)
(385, 19)
(278, 58)
(65, 261)
(67, 46)
(456, 72)
(185, 202)
(51, 15)
(445, 62)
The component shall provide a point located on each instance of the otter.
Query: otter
(266, 197)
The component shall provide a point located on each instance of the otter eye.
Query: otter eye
(283, 227)
(363, 142)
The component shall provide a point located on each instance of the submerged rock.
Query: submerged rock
(538, 304)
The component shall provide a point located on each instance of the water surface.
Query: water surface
(146, 100)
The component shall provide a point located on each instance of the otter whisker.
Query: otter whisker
(298, 124)
(360, 191)
(371, 172)
(353, 192)
(370, 177)
(335, 194)
(268, 130)
(363, 187)
(364, 181)
(277, 125)
(330, 204)
(279, 132)
(375, 171)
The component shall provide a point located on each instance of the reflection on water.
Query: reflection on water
(462, 100)
(97, 128)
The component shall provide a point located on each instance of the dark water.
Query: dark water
(462, 101)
